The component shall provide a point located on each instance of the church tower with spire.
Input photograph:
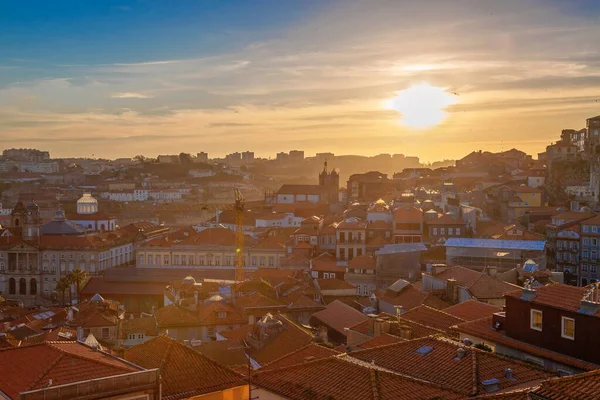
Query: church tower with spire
(330, 185)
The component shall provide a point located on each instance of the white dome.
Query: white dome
(87, 204)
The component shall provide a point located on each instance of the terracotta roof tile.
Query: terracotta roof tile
(446, 219)
(333, 284)
(583, 386)
(408, 214)
(338, 316)
(310, 352)
(31, 367)
(365, 261)
(338, 378)
(411, 297)
(441, 365)
(557, 295)
(471, 310)
(481, 286)
(431, 317)
(381, 340)
(185, 373)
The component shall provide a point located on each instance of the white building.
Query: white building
(201, 173)
(89, 216)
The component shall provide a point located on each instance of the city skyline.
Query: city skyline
(142, 77)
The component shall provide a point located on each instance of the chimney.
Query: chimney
(492, 270)
(451, 291)
(377, 325)
(406, 332)
(508, 374)
(399, 310)
(70, 315)
(196, 297)
(460, 353)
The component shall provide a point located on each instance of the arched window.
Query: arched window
(102, 228)
(33, 286)
(22, 286)
(12, 286)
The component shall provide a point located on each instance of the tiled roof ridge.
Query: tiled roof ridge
(435, 310)
(440, 332)
(348, 358)
(296, 351)
(495, 355)
(475, 375)
(62, 355)
(374, 377)
(99, 361)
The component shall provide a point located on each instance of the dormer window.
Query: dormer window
(536, 320)
(568, 328)
(222, 314)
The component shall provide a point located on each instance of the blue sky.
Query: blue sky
(144, 76)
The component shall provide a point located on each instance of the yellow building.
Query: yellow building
(525, 199)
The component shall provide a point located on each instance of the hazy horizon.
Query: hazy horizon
(120, 78)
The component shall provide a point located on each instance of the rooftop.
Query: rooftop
(185, 373)
(530, 245)
(338, 316)
(472, 309)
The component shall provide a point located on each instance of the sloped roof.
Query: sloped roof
(338, 316)
(472, 309)
(32, 367)
(582, 386)
(410, 297)
(185, 373)
(341, 378)
(565, 297)
(381, 340)
(310, 352)
(480, 285)
(364, 261)
(408, 214)
(442, 366)
(432, 317)
(333, 284)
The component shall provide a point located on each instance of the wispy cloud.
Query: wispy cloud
(130, 95)
(520, 68)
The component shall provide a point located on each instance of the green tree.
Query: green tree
(62, 286)
(78, 277)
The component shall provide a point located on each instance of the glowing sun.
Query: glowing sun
(422, 105)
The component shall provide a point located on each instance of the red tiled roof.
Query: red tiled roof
(381, 340)
(565, 297)
(348, 225)
(227, 352)
(339, 378)
(185, 373)
(482, 328)
(480, 285)
(365, 261)
(334, 284)
(338, 316)
(32, 367)
(410, 297)
(327, 266)
(471, 310)
(272, 243)
(309, 352)
(583, 386)
(442, 366)
(431, 317)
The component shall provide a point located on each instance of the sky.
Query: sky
(120, 78)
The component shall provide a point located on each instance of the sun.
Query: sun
(422, 106)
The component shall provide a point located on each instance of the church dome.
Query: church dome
(87, 204)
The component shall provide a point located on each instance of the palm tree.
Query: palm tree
(62, 286)
(78, 277)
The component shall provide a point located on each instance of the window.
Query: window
(222, 314)
(131, 337)
(175, 260)
(140, 336)
(593, 269)
(568, 328)
(442, 231)
(332, 275)
(105, 333)
(584, 255)
(326, 275)
(586, 228)
(262, 261)
(191, 260)
(86, 333)
(457, 231)
(594, 241)
(586, 241)
(584, 267)
(254, 260)
(434, 231)
(536, 320)
(271, 261)
(594, 229)
(157, 260)
(211, 331)
(450, 231)
(200, 260)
